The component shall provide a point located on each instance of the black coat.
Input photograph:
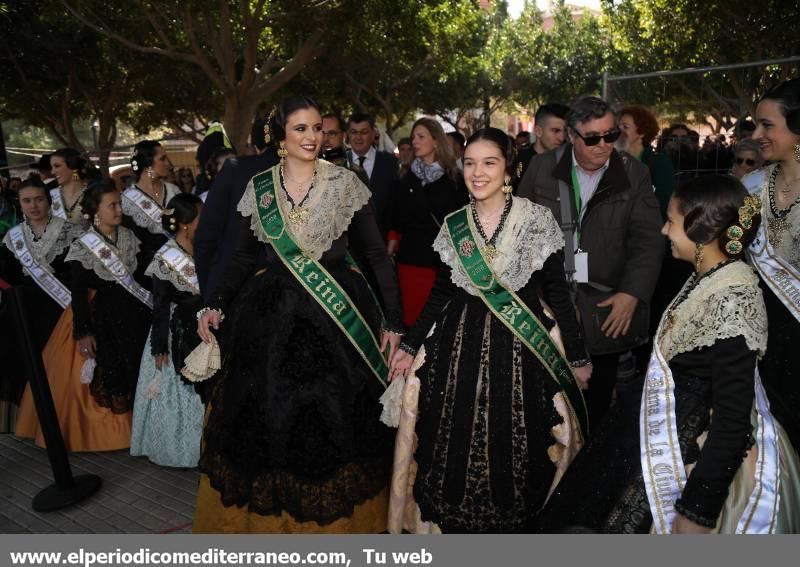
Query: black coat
(417, 213)
(218, 231)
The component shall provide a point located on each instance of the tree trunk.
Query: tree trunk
(238, 119)
(487, 112)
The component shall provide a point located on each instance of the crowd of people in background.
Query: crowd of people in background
(548, 303)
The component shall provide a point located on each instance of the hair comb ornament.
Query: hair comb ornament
(267, 134)
(750, 208)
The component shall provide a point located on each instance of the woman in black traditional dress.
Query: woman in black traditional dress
(73, 173)
(32, 260)
(143, 202)
(293, 441)
(700, 451)
(778, 185)
(497, 421)
(100, 338)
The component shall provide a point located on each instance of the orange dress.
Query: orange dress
(85, 425)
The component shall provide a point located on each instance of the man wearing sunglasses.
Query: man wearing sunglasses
(614, 249)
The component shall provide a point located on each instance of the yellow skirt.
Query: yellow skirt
(85, 425)
(211, 516)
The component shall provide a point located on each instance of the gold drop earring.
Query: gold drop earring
(282, 152)
(698, 256)
(796, 149)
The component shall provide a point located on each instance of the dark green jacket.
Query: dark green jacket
(662, 175)
(621, 227)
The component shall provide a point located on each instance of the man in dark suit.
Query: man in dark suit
(381, 168)
(218, 232)
(618, 227)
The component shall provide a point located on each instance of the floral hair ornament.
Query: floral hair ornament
(750, 208)
(134, 165)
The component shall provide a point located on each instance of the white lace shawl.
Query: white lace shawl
(140, 217)
(336, 196)
(530, 235)
(127, 248)
(161, 270)
(56, 238)
(726, 304)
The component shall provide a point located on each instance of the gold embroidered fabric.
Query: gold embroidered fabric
(336, 196)
(56, 238)
(726, 304)
(140, 217)
(788, 245)
(127, 248)
(529, 237)
(159, 269)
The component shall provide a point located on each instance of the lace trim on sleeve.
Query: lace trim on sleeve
(127, 246)
(727, 304)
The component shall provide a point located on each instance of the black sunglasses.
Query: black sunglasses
(609, 137)
(748, 161)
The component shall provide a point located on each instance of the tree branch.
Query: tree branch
(303, 55)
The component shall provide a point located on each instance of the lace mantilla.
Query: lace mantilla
(140, 217)
(127, 248)
(530, 236)
(726, 304)
(336, 196)
(56, 238)
(788, 247)
(160, 269)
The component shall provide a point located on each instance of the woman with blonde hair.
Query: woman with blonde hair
(431, 189)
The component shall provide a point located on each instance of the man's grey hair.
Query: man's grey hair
(588, 108)
(748, 145)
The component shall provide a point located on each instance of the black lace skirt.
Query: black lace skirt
(603, 490)
(294, 421)
(486, 412)
(121, 323)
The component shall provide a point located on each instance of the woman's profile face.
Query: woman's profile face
(109, 211)
(161, 165)
(772, 133)
(60, 170)
(683, 248)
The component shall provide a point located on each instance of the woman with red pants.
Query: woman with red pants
(431, 189)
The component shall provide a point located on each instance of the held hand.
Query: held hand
(401, 364)
(88, 346)
(209, 319)
(161, 360)
(392, 340)
(618, 321)
(582, 375)
(683, 525)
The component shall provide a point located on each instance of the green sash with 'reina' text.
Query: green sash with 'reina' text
(513, 313)
(315, 279)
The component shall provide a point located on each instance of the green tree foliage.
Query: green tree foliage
(652, 35)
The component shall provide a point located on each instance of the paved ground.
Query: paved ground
(137, 497)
